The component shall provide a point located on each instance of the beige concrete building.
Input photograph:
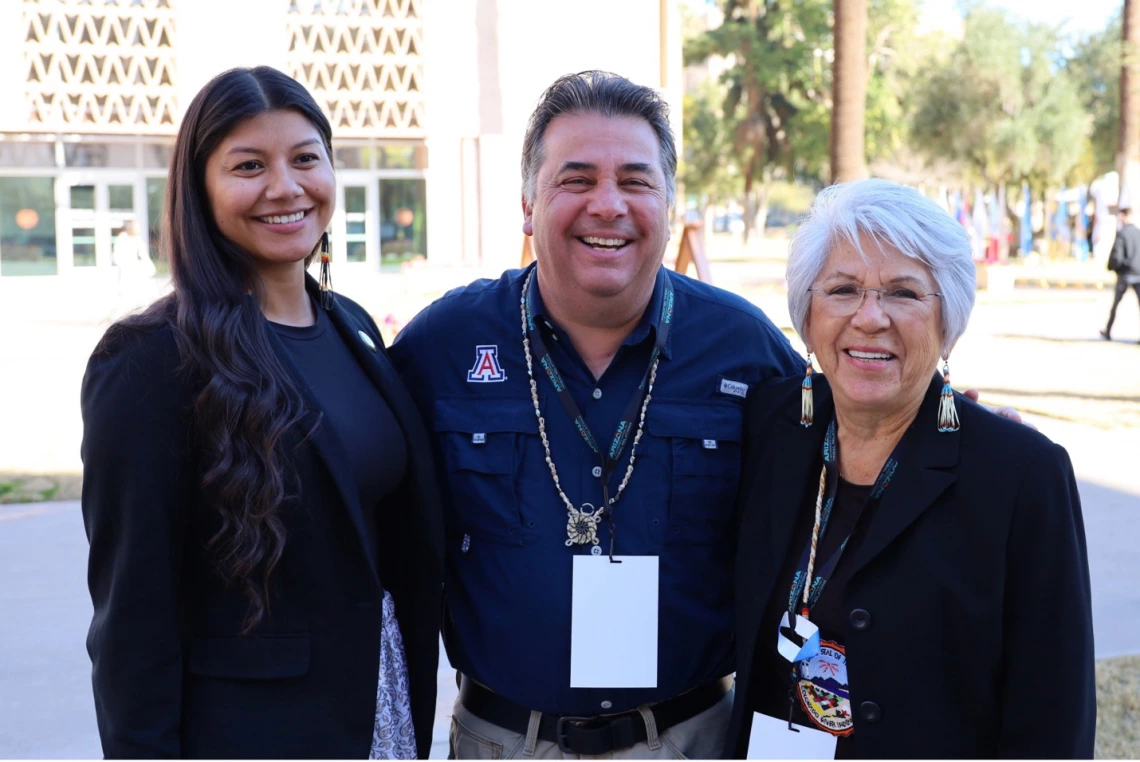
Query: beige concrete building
(428, 100)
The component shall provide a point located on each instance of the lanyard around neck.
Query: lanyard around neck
(831, 487)
(628, 422)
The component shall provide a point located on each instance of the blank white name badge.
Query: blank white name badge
(613, 625)
(771, 739)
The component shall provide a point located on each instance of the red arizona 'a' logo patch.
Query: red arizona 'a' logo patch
(486, 368)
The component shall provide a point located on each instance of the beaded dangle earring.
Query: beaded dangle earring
(325, 280)
(807, 402)
(947, 413)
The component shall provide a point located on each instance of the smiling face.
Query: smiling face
(599, 216)
(271, 188)
(876, 360)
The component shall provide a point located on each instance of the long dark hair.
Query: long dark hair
(248, 401)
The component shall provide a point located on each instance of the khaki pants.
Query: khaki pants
(699, 737)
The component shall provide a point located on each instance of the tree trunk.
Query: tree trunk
(748, 179)
(849, 91)
(1128, 152)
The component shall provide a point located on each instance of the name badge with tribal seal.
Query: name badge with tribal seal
(822, 688)
(582, 525)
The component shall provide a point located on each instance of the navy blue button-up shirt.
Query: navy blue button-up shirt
(508, 585)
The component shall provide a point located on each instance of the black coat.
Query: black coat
(972, 579)
(172, 675)
(1125, 257)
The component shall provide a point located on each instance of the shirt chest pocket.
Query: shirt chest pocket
(482, 442)
(702, 443)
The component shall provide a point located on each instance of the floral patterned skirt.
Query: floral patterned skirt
(393, 736)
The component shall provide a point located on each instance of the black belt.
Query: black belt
(590, 735)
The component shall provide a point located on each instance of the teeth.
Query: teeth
(282, 219)
(613, 243)
(869, 355)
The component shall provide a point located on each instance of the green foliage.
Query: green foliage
(25, 491)
(775, 75)
(1002, 104)
(708, 168)
(1094, 69)
(776, 94)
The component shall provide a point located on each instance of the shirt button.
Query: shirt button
(860, 620)
(607, 705)
(870, 711)
(597, 394)
(597, 472)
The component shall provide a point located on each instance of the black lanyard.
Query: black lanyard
(831, 487)
(628, 423)
(831, 460)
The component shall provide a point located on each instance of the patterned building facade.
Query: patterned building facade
(428, 100)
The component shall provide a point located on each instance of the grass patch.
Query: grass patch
(1118, 708)
(38, 488)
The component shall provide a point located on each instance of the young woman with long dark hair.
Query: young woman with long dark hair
(266, 538)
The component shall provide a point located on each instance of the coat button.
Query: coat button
(860, 619)
(870, 711)
(368, 342)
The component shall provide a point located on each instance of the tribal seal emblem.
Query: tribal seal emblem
(823, 692)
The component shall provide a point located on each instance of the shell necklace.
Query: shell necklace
(582, 522)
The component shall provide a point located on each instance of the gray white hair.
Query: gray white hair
(606, 94)
(893, 216)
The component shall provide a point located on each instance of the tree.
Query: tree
(774, 75)
(1095, 68)
(1128, 155)
(847, 141)
(708, 168)
(778, 88)
(1003, 105)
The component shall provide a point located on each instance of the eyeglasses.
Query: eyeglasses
(844, 301)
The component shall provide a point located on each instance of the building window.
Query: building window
(27, 226)
(361, 60)
(155, 198)
(355, 218)
(103, 67)
(83, 197)
(26, 154)
(83, 246)
(121, 198)
(403, 220)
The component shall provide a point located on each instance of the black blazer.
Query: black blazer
(1125, 256)
(172, 675)
(972, 579)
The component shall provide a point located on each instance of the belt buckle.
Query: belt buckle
(560, 731)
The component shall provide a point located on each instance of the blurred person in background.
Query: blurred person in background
(258, 490)
(1125, 262)
(130, 258)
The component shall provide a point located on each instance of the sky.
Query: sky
(1079, 18)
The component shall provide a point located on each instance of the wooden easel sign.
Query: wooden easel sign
(692, 251)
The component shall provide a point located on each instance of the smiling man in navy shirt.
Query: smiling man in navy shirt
(593, 377)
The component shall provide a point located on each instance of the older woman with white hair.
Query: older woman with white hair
(912, 579)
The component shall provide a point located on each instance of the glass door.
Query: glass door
(354, 230)
(81, 224)
(94, 209)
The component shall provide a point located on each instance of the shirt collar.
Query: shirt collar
(646, 328)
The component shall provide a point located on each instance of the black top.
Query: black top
(353, 409)
(176, 671)
(772, 672)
